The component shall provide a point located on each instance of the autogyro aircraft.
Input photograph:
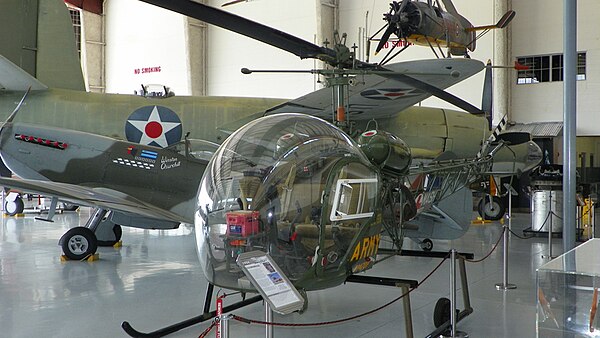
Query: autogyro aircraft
(423, 23)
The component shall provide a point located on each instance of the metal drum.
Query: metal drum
(546, 208)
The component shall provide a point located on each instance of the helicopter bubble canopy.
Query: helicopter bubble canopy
(291, 185)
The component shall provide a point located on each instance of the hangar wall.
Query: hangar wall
(229, 52)
(139, 36)
(145, 44)
(539, 25)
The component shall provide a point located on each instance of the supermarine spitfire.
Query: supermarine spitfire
(316, 195)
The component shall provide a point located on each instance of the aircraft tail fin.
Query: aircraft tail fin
(38, 36)
(502, 23)
(493, 137)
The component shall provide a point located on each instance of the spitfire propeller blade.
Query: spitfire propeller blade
(487, 96)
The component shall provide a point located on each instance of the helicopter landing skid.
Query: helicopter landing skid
(207, 315)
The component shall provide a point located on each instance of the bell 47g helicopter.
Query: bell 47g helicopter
(318, 196)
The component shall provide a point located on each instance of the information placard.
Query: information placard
(270, 281)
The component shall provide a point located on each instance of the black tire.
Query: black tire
(14, 207)
(118, 231)
(491, 208)
(441, 312)
(426, 244)
(79, 243)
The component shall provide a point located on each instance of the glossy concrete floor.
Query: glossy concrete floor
(154, 280)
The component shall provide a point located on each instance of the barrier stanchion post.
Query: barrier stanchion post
(224, 322)
(453, 293)
(219, 317)
(506, 228)
(549, 219)
(453, 314)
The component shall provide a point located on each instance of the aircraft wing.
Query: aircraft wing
(381, 94)
(12, 77)
(94, 197)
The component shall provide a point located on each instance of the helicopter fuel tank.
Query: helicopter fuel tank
(385, 150)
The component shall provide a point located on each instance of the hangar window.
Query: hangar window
(547, 68)
(76, 19)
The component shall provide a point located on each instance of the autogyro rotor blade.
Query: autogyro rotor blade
(254, 30)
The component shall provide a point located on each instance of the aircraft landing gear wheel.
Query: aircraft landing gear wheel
(78, 243)
(14, 207)
(491, 208)
(426, 244)
(441, 312)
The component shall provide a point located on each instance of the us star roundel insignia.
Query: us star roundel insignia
(154, 126)
(389, 93)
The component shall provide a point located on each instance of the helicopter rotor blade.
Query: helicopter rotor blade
(435, 91)
(249, 28)
(295, 45)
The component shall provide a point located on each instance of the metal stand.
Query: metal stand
(452, 332)
(268, 319)
(192, 321)
(550, 216)
(225, 325)
(505, 285)
(404, 284)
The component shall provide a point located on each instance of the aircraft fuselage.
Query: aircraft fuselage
(160, 177)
